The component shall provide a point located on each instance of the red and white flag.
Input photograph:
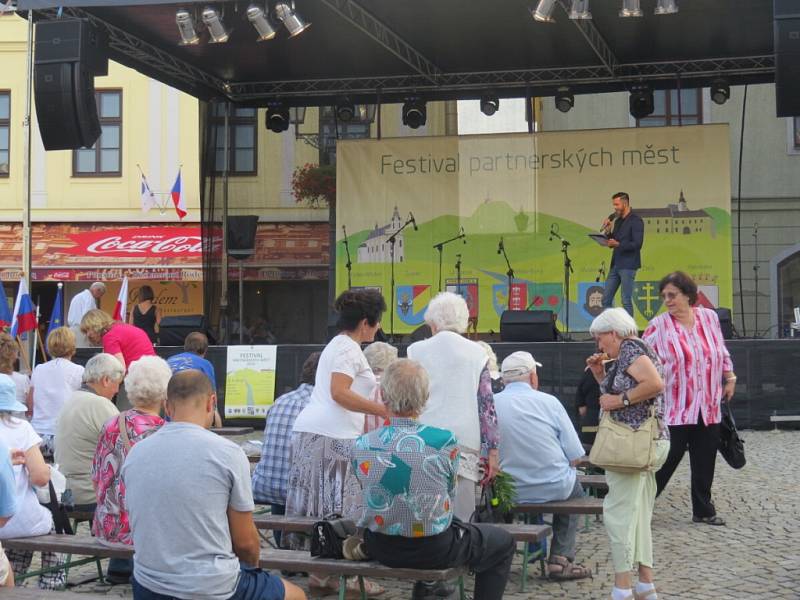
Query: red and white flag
(121, 307)
(177, 197)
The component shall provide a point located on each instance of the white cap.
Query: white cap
(519, 363)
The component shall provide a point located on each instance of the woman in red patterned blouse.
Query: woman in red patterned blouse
(698, 376)
(146, 381)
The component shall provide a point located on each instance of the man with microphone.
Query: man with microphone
(625, 231)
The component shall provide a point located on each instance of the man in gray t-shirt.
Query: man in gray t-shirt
(190, 506)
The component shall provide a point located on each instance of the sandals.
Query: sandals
(651, 593)
(325, 586)
(568, 570)
(715, 520)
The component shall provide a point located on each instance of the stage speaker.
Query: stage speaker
(242, 235)
(69, 53)
(528, 326)
(787, 58)
(174, 329)
(423, 332)
(725, 322)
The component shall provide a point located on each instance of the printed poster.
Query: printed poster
(249, 381)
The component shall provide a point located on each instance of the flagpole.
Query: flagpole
(27, 246)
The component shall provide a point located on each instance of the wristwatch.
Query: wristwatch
(625, 400)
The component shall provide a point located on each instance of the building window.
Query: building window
(5, 136)
(358, 127)
(667, 111)
(242, 153)
(104, 159)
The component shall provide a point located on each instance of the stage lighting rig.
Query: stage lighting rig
(580, 10)
(564, 100)
(187, 28)
(720, 91)
(631, 8)
(216, 28)
(294, 23)
(415, 113)
(258, 18)
(544, 11)
(641, 101)
(490, 104)
(277, 119)
(666, 7)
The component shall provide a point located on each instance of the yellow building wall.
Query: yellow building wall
(58, 196)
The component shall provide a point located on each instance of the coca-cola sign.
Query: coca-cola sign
(139, 242)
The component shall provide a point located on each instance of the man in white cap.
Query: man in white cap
(81, 304)
(539, 448)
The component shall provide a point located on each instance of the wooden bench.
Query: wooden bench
(576, 506)
(28, 593)
(594, 482)
(521, 532)
(229, 431)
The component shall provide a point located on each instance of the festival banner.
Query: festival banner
(532, 197)
(250, 381)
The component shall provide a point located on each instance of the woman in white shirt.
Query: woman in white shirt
(52, 383)
(31, 518)
(9, 353)
(321, 480)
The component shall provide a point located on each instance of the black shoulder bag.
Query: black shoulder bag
(328, 536)
(731, 446)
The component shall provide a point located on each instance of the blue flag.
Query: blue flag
(57, 316)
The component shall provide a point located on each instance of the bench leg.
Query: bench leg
(362, 588)
(525, 556)
(461, 593)
(342, 587)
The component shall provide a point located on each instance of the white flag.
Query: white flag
(148, 198)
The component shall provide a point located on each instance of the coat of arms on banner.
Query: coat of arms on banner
(412, 301)
(590, 298)
(708, 296)
(646, 298)
(467, 289)
(545, 296)
(519, 297)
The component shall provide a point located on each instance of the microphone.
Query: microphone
(463, 235)
(601, 272)
(500, 246)
(413, 221)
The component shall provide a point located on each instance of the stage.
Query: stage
(764, 369)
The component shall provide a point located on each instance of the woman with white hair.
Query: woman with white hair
(631, 388)
(379, 356)
(81, 422)
(146, 383)
(461, 393)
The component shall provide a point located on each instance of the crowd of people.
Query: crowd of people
(402, 446)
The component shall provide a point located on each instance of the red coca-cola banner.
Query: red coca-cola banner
(138, 242)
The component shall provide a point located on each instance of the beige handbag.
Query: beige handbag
(620, 447)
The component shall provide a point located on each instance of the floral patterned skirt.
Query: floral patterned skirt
(321, 480)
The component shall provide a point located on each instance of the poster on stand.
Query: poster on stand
(249, 381)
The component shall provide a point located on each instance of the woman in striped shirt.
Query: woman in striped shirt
(698, 376)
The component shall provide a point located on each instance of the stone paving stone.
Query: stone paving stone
(756, 556)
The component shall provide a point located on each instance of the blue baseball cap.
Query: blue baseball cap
(8, 395)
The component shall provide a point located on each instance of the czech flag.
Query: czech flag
(121, 307)
(24, 317)
(57, 316)
(5, 312)
(177, 197)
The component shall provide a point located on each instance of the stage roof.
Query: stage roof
(440, 49)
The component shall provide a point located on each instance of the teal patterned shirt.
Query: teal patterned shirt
(407, 472)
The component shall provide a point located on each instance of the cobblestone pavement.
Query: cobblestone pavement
(756, 556)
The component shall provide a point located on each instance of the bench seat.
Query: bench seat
(82, 544)
(595, 482)
(577, 506)
(32, 593)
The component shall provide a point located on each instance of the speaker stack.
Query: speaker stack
(528, 326)
(787, 58)
(242, 236)
(69, 54)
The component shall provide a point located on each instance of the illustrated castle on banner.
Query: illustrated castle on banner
(676, 218)
(376, 248)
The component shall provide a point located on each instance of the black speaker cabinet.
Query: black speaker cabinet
(173, 330)
(787, 58)
(528, 326)
(69, 53)
(242, 235)
(725, 322)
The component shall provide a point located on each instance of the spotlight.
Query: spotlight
(641, 102)
(631, 8)
(564, 100)
(293, 22)
(277, 118)
(258, 18)
(666, 7)
(186, 27)
(544, 10)
(415, 113)
(720, 91)
(580, 10)
(216, 28)
(490, 104)
(345, 110)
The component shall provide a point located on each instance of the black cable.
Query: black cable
(739, 215)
